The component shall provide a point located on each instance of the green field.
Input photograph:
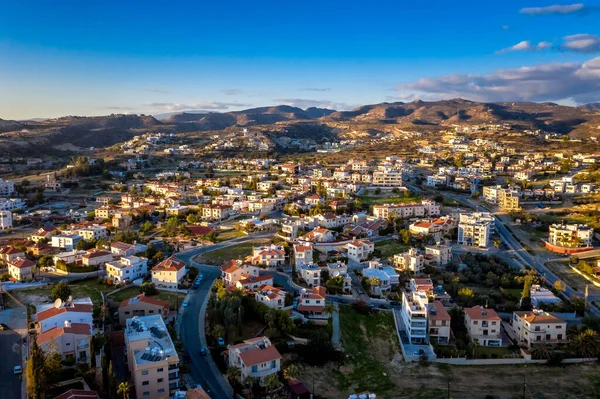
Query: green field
(227, 235)
(386, 198)
(172, 298)
(389, 248)
(371, 344)
(238, 251)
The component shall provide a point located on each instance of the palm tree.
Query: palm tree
(290, 372)
(271, 382)
(233, 373)
(123, 390)
(374, 281)
(541, 351)
(586, 343)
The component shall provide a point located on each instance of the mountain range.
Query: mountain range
(102, 131)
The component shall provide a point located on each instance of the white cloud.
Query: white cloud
(306, 103)
(231, 92)
(210, 105)
(526, 45)
(577, 81)
(553, 9)
(582, 43)
(316, 89)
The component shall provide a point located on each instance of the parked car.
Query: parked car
(203, 351)
(221, 341)
(17, 370)
(185, 304)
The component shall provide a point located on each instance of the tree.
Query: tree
(112, 381)
(405, 236)
(192, 218)
(466, 295)
(233, 373)
(149, 289)
(291, 372)
(559, 285)
(61, 290)
(541, 351)
(123, 390)
(146, 227)
(35, 371)
(497, 243)
(585, 343)
(52, 363)
(271, 382)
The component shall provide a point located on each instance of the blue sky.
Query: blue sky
(99, 57)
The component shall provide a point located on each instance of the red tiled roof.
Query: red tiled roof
(143, 298)
(121, 245)
(440, 313)
(311, 308)
(230, 266)
(481, 313)
(53, 311)
(22, 263)
(10, 250)
(257, 356)
(76, 328)
(96, 254)
(170, 264)
(200, 230)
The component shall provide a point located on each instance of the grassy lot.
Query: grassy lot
(371, 344)
(80, 289)
(386, 197)
(389, 248)
(512, 293)
(238, 251)
(172, 298)
(226, 235)
(488, 351)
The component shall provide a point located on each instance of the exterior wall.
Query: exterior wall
(168, 279)
(59, 320)
(76, 345)
(140, 308)
(565, 250)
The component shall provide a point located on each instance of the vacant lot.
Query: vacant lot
(79, 289)
(574, 280)
(226, 235)
(389, 248)
(238, 251)
(172, 298)
(386, 197)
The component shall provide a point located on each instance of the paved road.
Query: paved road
(335, 318)
(10, 346)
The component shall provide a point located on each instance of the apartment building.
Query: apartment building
(71, 341)
(303, 253)
(151, 357)
(95, 257)
(411, 260)
(216, 212)
(6, 220)
(141, 305)
(10, 204)
(359, 250)
(236, 270)
(439, 255)
(44, 233)
(439, 323)
(537, 326)
(509, 200)
(256, 358)
(65, 241)
(414, 314)
(10, 253)
(270, 296)
(424, 208)
(127, 268)
(311, 274)
(119, 248)
(92, 233)
(483, 325)
(474, 230)
(168, 273)
(21, 269)
(6, 188)
(570, 235)
(387, 178)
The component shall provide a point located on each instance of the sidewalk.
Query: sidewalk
(335, 318)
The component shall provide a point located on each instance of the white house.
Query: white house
(311, 274)
(270, 296)
(483, 325)
(168, 273)
(127, 268)
(359, 250)
(65, 241)
(72, 311)
(537, 326)
(256, 357)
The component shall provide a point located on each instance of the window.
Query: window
(146, 393)
(254, 369)
(162, 390)
(68, 344)
(160, 380)
(145, 382)
(160, 370)
(144, 372)
(559, 336)
(475, 322)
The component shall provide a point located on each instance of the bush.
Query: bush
(149, 289)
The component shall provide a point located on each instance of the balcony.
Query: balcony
(263, 373)
(173, 376)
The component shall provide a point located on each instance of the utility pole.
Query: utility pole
(449, 383)
(524, 386)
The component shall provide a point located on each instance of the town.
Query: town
(263, 276)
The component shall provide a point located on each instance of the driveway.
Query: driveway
(10, 346)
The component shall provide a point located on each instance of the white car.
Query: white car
(18, 370)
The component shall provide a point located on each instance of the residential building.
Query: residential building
(71, 341)
(359, 250)
(540, 295)
(10, 253)
(141, 305)
(483, 325)
(168, 273)
(537, 326)
(270, 296)
(216, 212)
(303, 253)
(21, 269)
(252, 283)
(119, 248)
(236, 270)
(411, 260)
(439, 323)
(387, 178)
(92, 232)
(10, 204)
(6, 220)
(72, 310)
(78, 394)
(311, 303)
(424, 208)
(414, 314)
(256, 358)
(96, 257)
(44, 233)
(509, 200)
(270, 256)
(66, 242)
(570, 235)
(319, 234)
(474, 230)
(6, 188)
(151, 357)
(127, 268)
(311, 274)
(381, 278)
(440, 255)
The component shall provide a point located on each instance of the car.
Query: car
(185, 304)
(383, 306)
(221, 341)
(200, 277)
(17, 370)
(203, 351)
(3, 327)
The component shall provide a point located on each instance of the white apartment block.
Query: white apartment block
(473, 230)
(359, 250)
(151, 357)
(6, 188)
(391, 178)
(311, 274)
(6, 220)
(440, 255)
(92, 233)
(537, 326)
(10, 204)
(127, 268)
(483, 325)
(410, 260)
(570, 235)
(426, 207)
(414, 315)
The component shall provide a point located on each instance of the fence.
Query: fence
(461, 361)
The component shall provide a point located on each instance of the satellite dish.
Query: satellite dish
(58, 303)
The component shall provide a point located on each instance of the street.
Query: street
(10, 346)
